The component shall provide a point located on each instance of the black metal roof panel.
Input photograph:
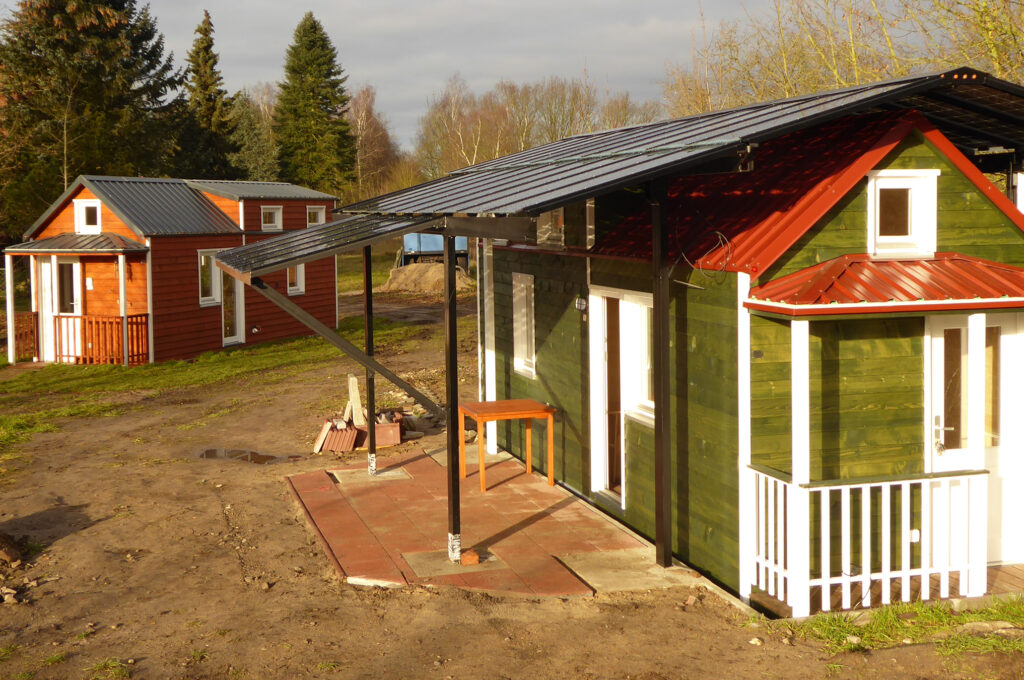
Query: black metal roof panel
(986, 111)
(78, 243)
(160, 207)
(314, 243)
(240, 191)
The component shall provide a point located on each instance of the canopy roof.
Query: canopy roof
(240, 190)
(306, 245)
(973, 109)
(857, 284)
(82, 244)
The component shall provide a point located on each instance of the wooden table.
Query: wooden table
(484, 412)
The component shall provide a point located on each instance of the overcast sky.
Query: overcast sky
(407, 49)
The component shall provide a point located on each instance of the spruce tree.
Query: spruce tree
(256, 157)
(315, 145)
(206, 134)
(86, 89)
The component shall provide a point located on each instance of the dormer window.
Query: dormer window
(87, 216)
(271, 218)
(902, 209)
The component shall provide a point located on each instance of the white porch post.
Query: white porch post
(798, 562)
(977, 528)
(122, 294)
(486, 265)
(9, 291)
(747, 512)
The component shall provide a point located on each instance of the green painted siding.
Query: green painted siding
(561, 360)
(706, 493)
(867, 397)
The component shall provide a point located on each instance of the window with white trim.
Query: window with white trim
(315, 214)
(88, 216)
(523, 350)
(902, 212)
(636, 342)
(271, 218)
(209, 279)
(297, 279)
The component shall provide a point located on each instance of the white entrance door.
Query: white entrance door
(232, 309)
(60, 308)
(949, 427)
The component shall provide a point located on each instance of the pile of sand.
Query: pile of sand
(424, 277)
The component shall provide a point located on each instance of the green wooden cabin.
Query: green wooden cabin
(826, 307)
(783, 340)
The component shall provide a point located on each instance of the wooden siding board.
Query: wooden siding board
(63, 221)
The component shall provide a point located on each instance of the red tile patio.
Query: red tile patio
(392, 530)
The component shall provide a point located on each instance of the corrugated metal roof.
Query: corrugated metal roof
(858, 284)
(240, 191)
(160, 207)
(971, 107)
(79, 243)
(314, 243)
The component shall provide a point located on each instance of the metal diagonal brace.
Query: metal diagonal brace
(331, 336)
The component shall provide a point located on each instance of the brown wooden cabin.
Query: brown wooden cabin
(122, 270)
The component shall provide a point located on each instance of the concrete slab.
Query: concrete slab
(441, 456)
(610, 571)
(436, 563)
(360, 476)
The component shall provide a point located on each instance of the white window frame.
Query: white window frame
(524, 348)
(278, 224)
(635, 315)
(80, 205)
(321, 210)
(298, 285)
(215, 278)
(923, 205)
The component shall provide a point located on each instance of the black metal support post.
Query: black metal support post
(371, 406)
(661, 268)
(451, 372)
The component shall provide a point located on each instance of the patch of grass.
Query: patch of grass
(914, 622)
(328, 666)
(108, 669)
(55, 659)
(350, 269)
(86, 634)
(25, 675)
(197, 655)
(7, 652)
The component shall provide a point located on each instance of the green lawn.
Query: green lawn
(350, 269)
(32, 402)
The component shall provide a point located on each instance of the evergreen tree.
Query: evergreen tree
(256, 157)
(86, 88)
(315, 145)
(206, 130)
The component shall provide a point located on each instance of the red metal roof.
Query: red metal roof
(857, 284)
(745, 221)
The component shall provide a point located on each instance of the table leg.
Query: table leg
(551, 450)
(529, 446)
(482, 450)
(462, 444)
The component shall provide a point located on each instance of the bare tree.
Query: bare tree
(376, 151)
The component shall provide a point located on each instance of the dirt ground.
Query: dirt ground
(182, 567)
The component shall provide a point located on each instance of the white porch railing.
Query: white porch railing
(867, 535)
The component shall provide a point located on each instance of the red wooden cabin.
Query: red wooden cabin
(122, 270)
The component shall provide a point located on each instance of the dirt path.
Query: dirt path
(180, 567)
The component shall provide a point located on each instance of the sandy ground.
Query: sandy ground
(182, 567)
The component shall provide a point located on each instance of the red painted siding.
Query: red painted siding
(293, 213)
(182, 329)
(63, 221)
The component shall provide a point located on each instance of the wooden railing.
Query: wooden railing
(869, 537)
(26, 337)
(101, 339)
